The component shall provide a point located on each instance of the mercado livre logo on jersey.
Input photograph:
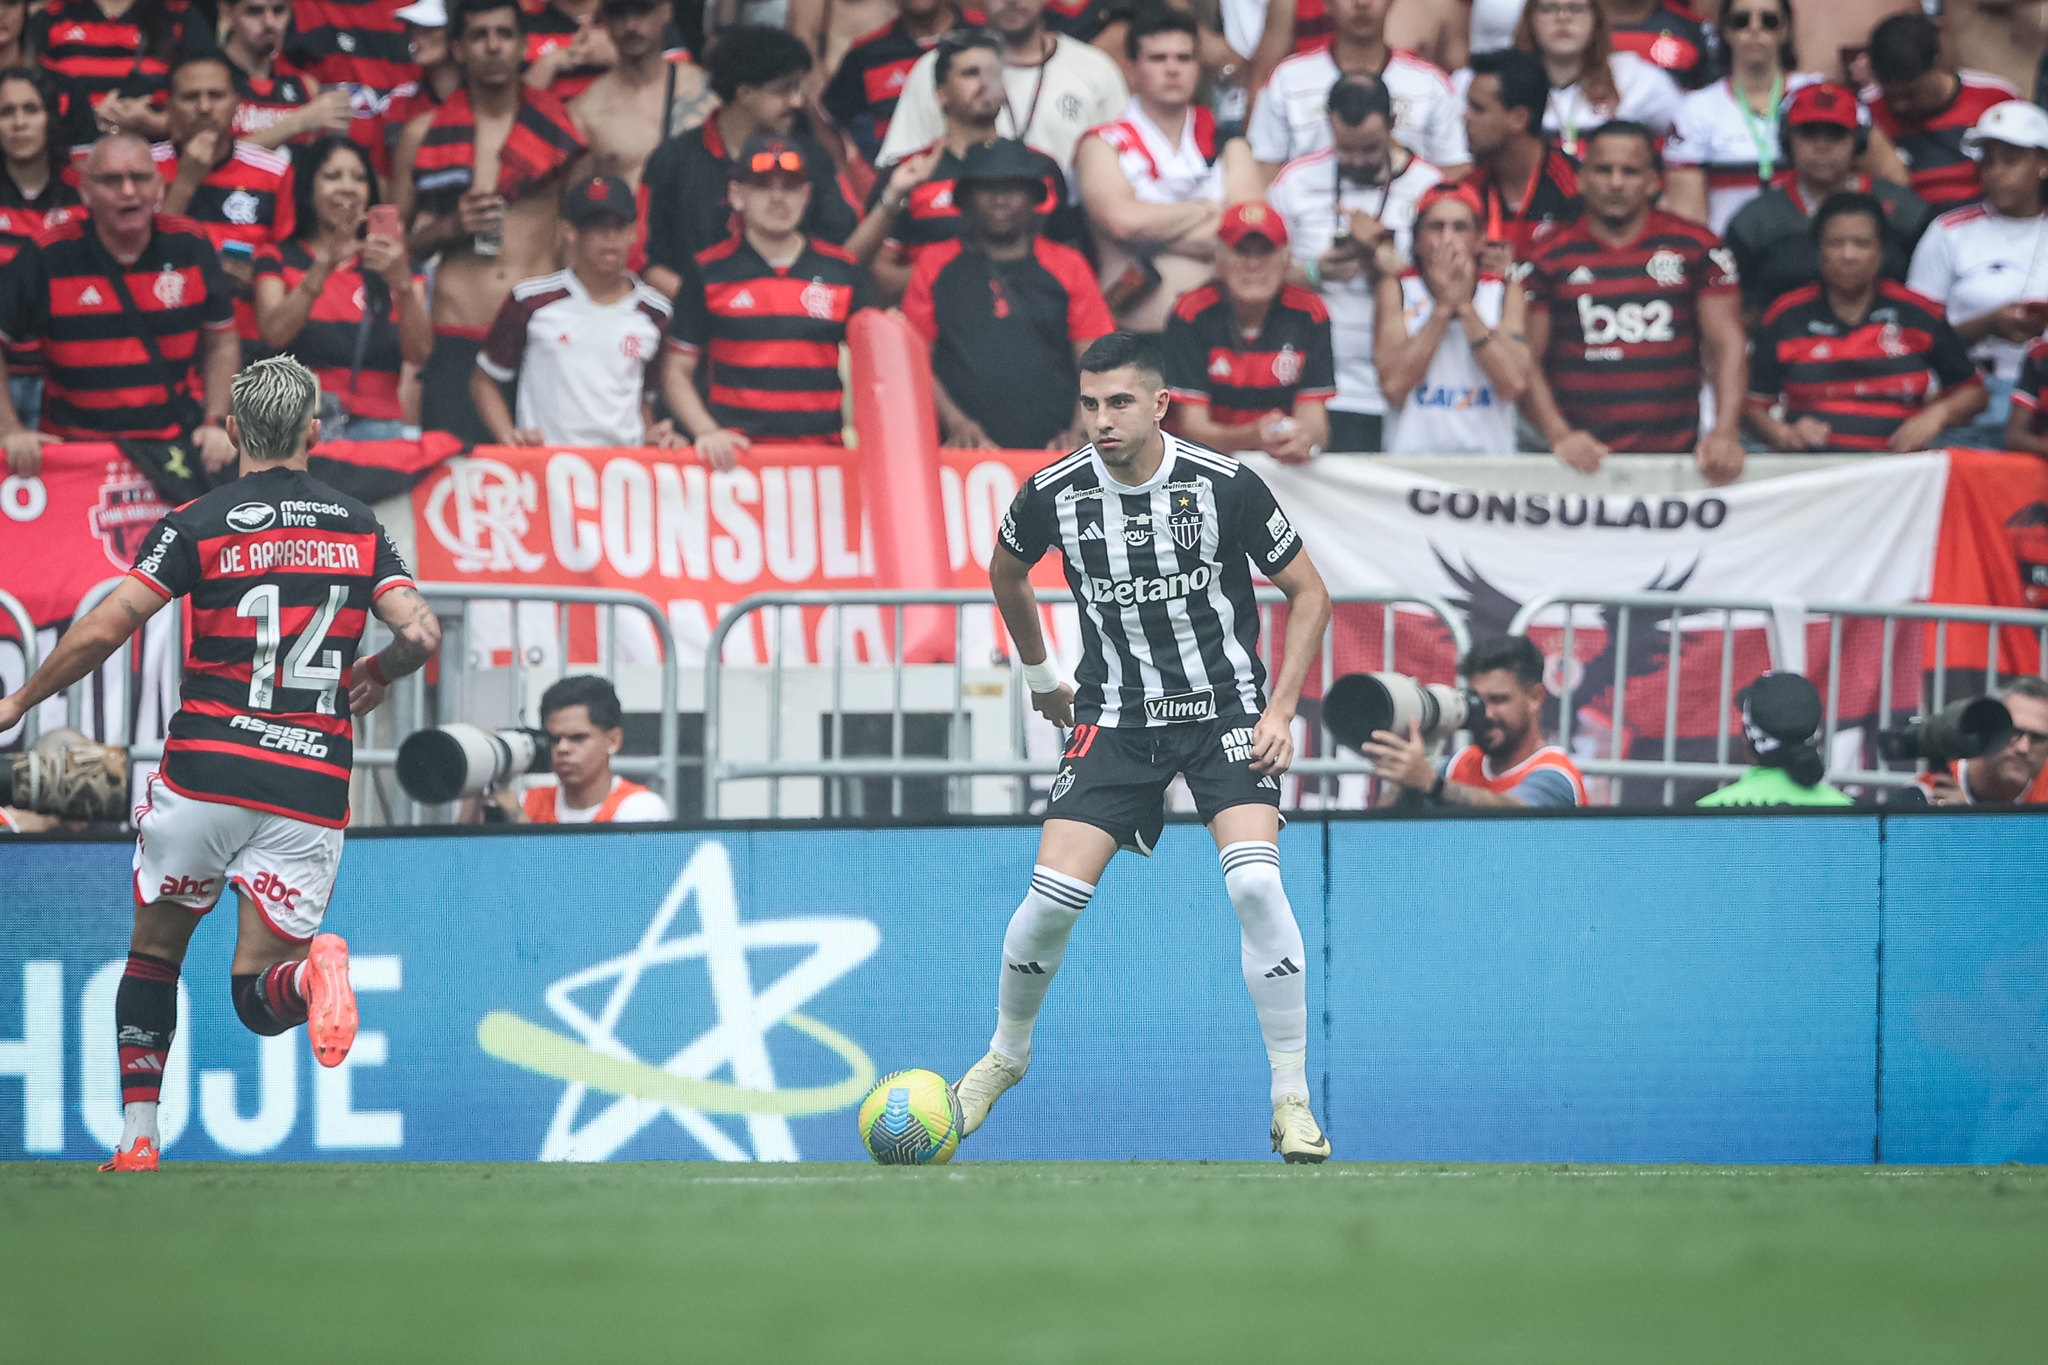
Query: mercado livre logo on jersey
(600, 1058)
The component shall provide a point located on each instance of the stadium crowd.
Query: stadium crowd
(1584, 227)
(1579, 228)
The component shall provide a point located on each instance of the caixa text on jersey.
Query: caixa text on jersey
(1124, 592)
(1564, 509)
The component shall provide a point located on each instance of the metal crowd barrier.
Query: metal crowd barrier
(1016, 763)
(663, 768)
(1675, 610)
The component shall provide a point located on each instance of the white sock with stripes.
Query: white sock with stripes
(1032, 949)
(1273, 959)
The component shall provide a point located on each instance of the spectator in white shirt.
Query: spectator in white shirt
(1338, 203)
(1149, 181)
(583, 343)
(1988, 263)
(1055, 89)
(1448, 337)
(1591, 83)
(1290, 118)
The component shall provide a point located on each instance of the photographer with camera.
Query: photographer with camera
(585, 728)
(2011, 772)
(1507, 764)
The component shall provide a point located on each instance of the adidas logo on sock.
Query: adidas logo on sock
(1286, 968)
(150, 1063)
(1027, 968)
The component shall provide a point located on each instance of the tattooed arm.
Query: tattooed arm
(409, 618)
(85, 646)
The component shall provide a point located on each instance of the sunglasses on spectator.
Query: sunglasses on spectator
(1739, 20)
(761, 163)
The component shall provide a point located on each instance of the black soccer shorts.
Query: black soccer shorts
(1116, 779)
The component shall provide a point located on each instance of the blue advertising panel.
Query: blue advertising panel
(637, 995)
(1966, 990)
(1655, 988)
(1698, 989)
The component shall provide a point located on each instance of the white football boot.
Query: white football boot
(1296, 1136)
(984, 1084)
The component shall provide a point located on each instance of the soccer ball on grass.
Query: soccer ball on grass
(911, 1118)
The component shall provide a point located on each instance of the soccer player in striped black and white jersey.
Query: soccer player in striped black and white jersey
(1160, 538)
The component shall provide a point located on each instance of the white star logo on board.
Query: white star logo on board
(641, 1091)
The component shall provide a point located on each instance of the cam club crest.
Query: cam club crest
(1184, 520)
(1063, 783)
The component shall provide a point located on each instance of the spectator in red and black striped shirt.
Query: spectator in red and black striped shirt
(33, 198)
(343, 301)
(763, 314)
(1629, 308)
(1859, 362)
(352, 43)
(122, 62)
(279, 102)
(240, 194)
(102, 380)
(1007, 312)
(1248, 356)
(1925, 106)
(862, 95)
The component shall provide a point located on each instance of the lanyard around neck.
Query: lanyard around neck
(1763, 128)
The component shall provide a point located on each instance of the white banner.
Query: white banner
(1864, 532)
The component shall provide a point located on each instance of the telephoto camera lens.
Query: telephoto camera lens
(457, 761)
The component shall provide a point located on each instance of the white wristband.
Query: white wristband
(1042, 677)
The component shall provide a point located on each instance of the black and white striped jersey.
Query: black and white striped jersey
(1163, 577)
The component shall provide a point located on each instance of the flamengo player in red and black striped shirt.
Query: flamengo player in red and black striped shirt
(1628, 308)
(1860, 362)
(101, 379)
(767, 310)
(283, 573)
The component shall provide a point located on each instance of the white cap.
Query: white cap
(2016, 123)
(425, 14)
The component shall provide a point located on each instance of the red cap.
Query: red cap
(1823, 102)
(1251, 219)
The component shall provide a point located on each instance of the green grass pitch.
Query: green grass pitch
(1030, 1263)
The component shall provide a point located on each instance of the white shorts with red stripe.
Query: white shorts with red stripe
(190, 852)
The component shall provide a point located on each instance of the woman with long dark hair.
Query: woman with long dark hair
(1729, 140)
(33, 196)
(345, 301)
(1591, 83)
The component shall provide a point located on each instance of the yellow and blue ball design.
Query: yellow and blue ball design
(911, 1118)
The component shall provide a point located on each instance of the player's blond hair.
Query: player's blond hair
(274, 401)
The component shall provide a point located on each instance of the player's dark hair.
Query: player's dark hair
(753, 54)
(954, 43)
(1524, 84)
(1118, 349)
(588, 691)
(1628, 127)
(1516, 653)
(1844, 203)
(1788, 52)
(1153, 19)
(55, 153)
(460, 13)
(1904, 47)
